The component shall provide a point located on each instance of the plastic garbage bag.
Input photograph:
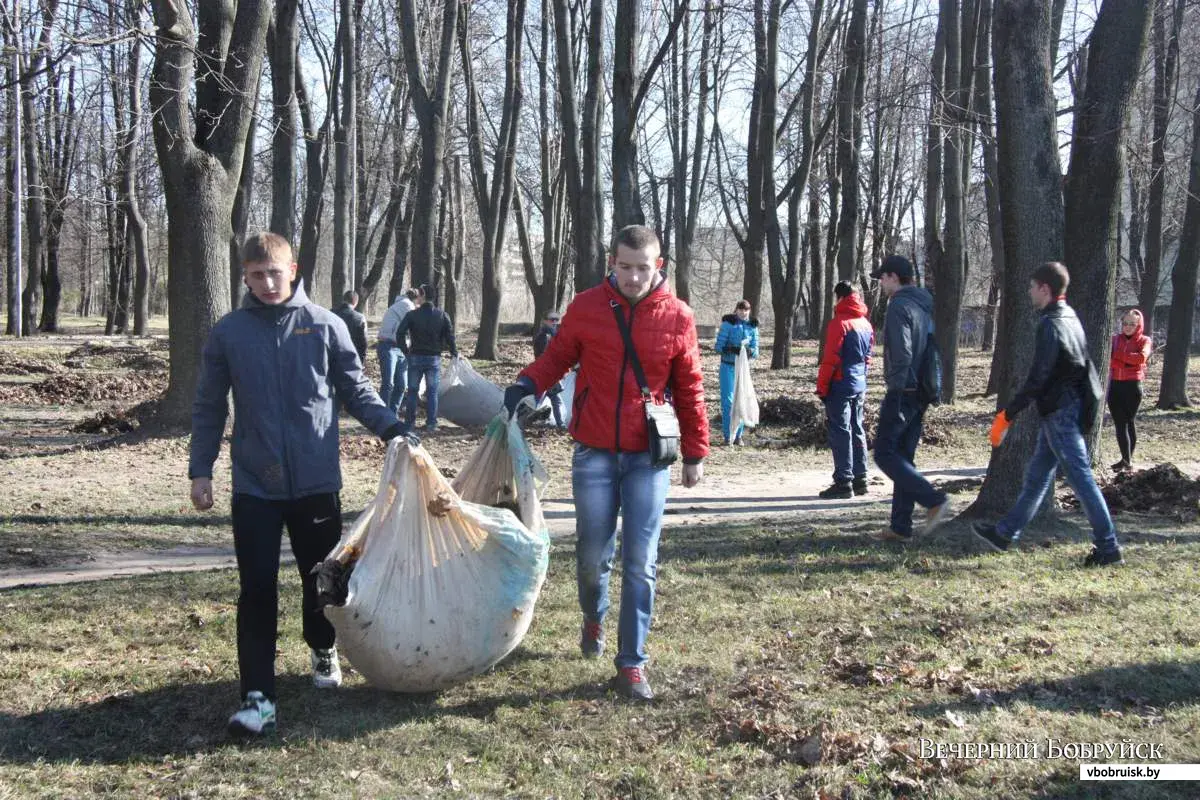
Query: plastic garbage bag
(439, 589)
(744, 410)
(467, 398)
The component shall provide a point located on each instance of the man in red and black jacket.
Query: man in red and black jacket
(612, 471)
(842, 387)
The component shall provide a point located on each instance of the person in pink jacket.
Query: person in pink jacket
(1131, 349)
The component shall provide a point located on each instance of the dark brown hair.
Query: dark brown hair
(1054, 275)
(635, 237)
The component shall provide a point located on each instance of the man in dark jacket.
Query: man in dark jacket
(842, 387)
(1059, 383)
(431, 331)
(288, 363)
(356, 323)
(541, 340)
(906, 330)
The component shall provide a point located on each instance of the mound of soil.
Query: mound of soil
(1162, 489)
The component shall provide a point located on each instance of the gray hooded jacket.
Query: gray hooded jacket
(288, 366)
(908, 323)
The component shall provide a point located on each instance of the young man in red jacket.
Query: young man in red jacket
(842, 387)
(612, 471)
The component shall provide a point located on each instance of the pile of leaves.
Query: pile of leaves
(109, 422)
(85, 388)
(803, 422)
(12, 364)
(1163, 489)
(120, 356)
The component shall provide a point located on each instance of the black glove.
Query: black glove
(513, 396)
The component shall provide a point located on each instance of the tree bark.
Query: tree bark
(200, 152)
(430, 98)
(345, 142)
(1166, 57)
(1030, 183)
(285, 40)
(1097, 169)
(850, 100)
(1173, 389)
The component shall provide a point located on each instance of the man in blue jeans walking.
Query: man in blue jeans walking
(906, 330)
(1058, 383)
(612, 471)
(393, 367)
(431, 331)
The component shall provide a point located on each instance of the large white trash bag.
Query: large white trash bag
(568, 396)
(503, 472)
(467, 398)
(744, 410)
(441, 588)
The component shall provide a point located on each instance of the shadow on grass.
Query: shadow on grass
(183, 719)
(1157, 684)
(94, 521)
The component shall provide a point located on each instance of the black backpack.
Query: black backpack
(929, 372)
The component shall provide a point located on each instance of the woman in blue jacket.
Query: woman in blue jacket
(736, 329)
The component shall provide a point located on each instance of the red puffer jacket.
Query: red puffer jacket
(607, 411)
(1129, 355)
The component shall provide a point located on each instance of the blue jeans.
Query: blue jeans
(900, 420)
(392, 370)
(847, 436)
(429, 368)
(726, 376)
(1060, 443)
(603, 484)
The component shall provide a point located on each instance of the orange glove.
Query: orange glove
(999, 429)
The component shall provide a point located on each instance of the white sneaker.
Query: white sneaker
(327, 673)
(255, 718)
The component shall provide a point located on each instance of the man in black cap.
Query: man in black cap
(906, 330)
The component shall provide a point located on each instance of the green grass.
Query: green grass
(791, 660)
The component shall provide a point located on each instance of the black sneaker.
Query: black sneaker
(1120, 466)
(631, 682)
(1098, 559)
(860, 485)
(995, 539)
(837, 491)
(591, 640)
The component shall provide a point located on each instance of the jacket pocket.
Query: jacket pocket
(577, 407)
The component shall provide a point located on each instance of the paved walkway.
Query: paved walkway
(741, 499)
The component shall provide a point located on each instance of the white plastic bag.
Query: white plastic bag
(568, 396)
(441, 588)
(467, 398)
(744, 410)
(503, 471)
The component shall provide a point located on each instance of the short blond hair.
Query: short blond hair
(265, 247)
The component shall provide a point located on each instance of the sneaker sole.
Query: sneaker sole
(891, 536)
(240, 731)
(327, 684)
(995, 548)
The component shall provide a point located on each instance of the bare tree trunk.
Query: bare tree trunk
(1166, 57)
(430, 106)
(580, 139)
(316, 169)
(1032, 208)
(344, 144)
(200, 147)
(284, 41)
(851, 85)
(494, 192)
(1173, 390)
(138, 236)
(240, 219)
(1093, 187)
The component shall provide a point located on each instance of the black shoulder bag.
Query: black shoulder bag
(662, 426)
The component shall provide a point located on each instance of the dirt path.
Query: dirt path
(731, 498)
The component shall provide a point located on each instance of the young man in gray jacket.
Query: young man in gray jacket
(289, 364)
(906, 329)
